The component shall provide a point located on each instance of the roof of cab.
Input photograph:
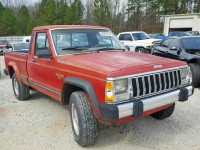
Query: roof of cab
(67, 27)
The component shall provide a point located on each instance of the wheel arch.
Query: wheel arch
(72, 84)
(101, 111)
(193, 60)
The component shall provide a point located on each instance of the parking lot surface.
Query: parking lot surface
(43, 123)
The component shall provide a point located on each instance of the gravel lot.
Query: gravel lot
(43, 123)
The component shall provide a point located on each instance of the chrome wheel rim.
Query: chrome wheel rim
(16, 87)
(75, 119)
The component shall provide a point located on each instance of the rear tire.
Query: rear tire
(195, 68)
(21, 91)
(84, 123)
(163, 114)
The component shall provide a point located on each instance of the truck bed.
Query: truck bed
(18, 59)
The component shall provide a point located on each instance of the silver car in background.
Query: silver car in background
(10, 47)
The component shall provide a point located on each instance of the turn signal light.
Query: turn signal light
(110, 97)
(109, 86)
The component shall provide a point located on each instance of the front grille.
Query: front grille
(155, 83)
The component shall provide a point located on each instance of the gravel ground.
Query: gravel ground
(43, 123)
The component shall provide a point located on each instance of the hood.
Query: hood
(147, 41)
(112, 61)
(2, 46)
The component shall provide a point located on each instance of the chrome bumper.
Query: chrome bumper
(127, 109)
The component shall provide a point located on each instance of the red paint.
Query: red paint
(2, 46)
(92, 67)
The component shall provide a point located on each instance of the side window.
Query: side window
(165, 43)
(121, 37)
(128, 37)
(125, 37)
(42, 42)
(174, 43)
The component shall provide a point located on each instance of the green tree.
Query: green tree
(2, 9)
(75, 13)
(63, 13)
(9, 23)
(102, 13)
(24, 19)
(197, 6)
(47, 13)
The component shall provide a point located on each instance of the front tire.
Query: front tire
(195, 68)
(163, 114)
(140, 50)
(84, 123)
(21, 91)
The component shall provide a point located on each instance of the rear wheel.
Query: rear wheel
(84, 123)
(163, 114)
(195, 68)
(21, 91)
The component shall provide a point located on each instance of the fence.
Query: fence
(14, 39)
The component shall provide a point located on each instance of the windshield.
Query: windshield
(84, 40)
(140, 36)
(191, 43)
(3, 42)
(21, 46)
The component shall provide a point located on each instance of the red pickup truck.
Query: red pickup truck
(87, 68)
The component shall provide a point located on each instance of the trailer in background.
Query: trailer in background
(181, 22)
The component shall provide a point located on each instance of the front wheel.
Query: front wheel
(140, 50)
(195, 68)
(21, 91)
(84, 123)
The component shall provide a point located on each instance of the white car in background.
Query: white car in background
(137, 41)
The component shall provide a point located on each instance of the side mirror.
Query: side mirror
(174, 48)
(44, 54)
(128, 47)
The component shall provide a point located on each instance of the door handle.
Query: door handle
(33, 60)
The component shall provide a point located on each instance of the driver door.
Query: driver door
(41, 70)
(174, 47)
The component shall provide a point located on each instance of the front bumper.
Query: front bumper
(137, 108)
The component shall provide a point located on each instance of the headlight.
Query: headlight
(189, 75)
(186, 75)
(117, 90)
(120, 86)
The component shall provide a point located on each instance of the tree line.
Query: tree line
(119, 15)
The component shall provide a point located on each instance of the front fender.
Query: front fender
(101, 111)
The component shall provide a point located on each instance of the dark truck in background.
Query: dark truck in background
(185, 49)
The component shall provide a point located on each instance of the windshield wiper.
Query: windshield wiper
(108, 49)
(74, 48)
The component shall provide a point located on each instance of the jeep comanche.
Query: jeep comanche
(87, 68)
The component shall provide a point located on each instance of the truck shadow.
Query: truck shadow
(145, 132)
